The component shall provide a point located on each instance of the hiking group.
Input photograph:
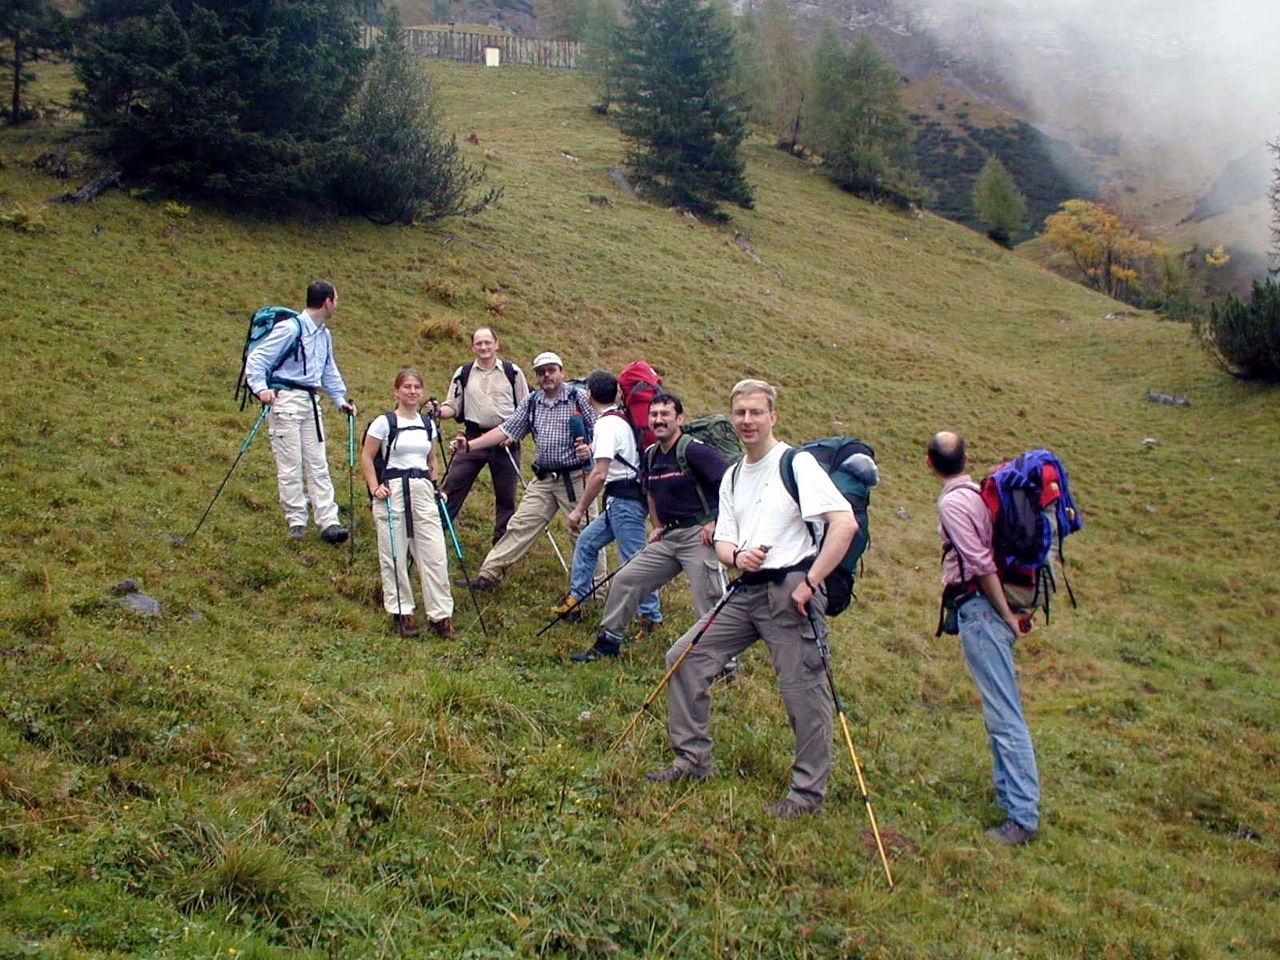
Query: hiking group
(618, 458)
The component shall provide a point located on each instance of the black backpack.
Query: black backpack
(384, 449)
(464, 374)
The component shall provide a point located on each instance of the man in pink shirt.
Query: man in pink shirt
(988, 629)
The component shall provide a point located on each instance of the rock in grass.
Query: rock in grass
(141, 603)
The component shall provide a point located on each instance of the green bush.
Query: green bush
(1244, 336)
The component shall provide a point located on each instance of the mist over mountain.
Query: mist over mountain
(1179, 90)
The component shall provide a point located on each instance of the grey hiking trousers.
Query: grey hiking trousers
(765, 612)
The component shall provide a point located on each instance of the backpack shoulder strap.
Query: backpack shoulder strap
(788, 468)
(682, 461)
(509, 369)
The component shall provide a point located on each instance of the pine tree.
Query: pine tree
(997, 202)
(401, 166)
(785, 71)
(32, 29)
(600, 52)
(243, 100)
(1273, 194)
(680, 110)
(855, 120)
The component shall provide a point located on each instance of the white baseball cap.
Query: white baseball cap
(546, 359)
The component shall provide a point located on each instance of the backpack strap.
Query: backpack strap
(788, 468)
(509, 369)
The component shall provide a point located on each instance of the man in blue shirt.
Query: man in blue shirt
(284, 371)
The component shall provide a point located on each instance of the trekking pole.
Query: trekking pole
(266, 408)
(457, 548)
(444, 452)
(648, 701)
(351, 486)
(525, 487)
(600, 583)
(848, 739)
(395, 566)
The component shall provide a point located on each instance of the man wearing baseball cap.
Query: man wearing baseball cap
(557, 416)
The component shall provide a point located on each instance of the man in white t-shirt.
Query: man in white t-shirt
(615, 472)
(765, 533)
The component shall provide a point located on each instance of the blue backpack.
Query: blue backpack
(851, 464)
(260, 324)
(1029, 498)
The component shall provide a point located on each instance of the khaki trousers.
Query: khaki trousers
(538, 507)
(427, 545)
(298, 451)
(758, 612)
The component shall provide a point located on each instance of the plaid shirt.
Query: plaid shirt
(548, 421)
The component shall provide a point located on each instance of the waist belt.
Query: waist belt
(774, 576)
(680, 524)
(404, 476)
(276, 384)
(472, 430)
(624, 490)
(558, 473)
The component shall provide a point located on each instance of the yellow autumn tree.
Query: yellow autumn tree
(1107, 248)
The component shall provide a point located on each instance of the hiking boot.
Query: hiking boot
(569, 609)
(606, 646)
(298, 532)
(334, 533)
(403, 625)
(643, 628)
(443, 628)
(1010, 834)
(679, 771)
(728, 673)
(476, 583)
(789, 809)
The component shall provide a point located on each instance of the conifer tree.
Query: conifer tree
(680, 110)
(855, 120)
(600, 51)
(30, 30)
(786, 83)
(241, 100)
(997, 202)
(400, 164)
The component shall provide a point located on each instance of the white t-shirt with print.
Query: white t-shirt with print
(756, 510)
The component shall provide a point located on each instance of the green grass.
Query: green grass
(265, 771)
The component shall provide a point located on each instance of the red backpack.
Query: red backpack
(639, 384)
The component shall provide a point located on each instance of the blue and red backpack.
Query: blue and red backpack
(1031, 505)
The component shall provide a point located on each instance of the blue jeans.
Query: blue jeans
(988, 650)
(621, 520)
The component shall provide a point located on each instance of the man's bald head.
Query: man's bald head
(947, 453)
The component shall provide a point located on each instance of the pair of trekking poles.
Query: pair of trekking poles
(253, 432)
(835, 698)
(446, 520)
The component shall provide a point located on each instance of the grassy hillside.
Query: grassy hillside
(264, 771)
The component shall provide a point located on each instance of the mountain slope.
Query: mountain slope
(265, 771)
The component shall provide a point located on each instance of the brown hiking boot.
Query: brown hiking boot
(1010, 834)
(678, 771)
(443, 628)
(788, 809)
(403, 625)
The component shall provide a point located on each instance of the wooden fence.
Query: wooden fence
(470, 47)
